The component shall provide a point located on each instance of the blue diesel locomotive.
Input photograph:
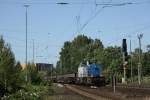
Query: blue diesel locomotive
(90, 74)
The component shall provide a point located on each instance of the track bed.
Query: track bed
(60, 92)
(120, 94)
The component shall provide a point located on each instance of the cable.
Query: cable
(90, 19)
(130, 33)
(30, 41)
(107, 5)
(78, 18)
(104, 5)
(74, 3)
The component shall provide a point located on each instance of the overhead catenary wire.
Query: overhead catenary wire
(104, 5)
(81, 27)
(78, 18)
(84, 25)
(90, 19)
(73, 3)
(30, 41)
(130, 34)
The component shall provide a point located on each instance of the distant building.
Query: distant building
(44, 66)
(23, 66)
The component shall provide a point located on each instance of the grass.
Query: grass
(144, 81)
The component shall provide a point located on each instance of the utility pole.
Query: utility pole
(26, 14)
(139, 64)
(33, 51)
(131, 63)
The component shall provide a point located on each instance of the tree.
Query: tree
(146, 62)
(33, 76)
(112, 61)
(148, 48)
(110, 54)
(8, 69)
(79, 50)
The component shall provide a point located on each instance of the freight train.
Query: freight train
(88, 74)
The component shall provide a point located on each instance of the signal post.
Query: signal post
(125, 54)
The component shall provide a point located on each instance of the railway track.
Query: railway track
(134, 87)
(106, 93)
(60, 92)
(86, 93)
(134, 91)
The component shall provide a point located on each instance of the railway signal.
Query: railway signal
(125, 58)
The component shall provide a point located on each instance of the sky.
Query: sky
(50, 24)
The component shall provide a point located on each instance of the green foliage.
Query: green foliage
(146, 63)
(83, 49)
(33, 76)
(30, 92)
(10, 79)
(79, 50)
(112, 61)
(110, 54)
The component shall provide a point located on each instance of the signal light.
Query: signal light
(124, 49)
(124, 45)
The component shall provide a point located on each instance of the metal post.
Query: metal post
(124, 68)
(139, 64)
(26, 6)
(71, 64)
(139, 74)
(51, 70)
(114, 83)
(33, 51)
(131, 63)
(124, 54)
(5, 81)
(61, 65)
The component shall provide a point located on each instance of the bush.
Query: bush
(30, 92)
